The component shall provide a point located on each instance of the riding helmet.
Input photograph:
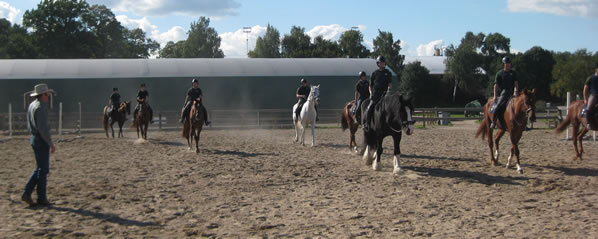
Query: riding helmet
(380, 59)
(303, 81)
(361, 73)
(114, 89)
(194, 81)
(142, 85)
(506, 60)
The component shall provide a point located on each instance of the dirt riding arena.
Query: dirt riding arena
(258, 183)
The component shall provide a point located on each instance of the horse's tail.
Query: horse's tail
(568, 120)
(344, 119)
(485, 125)
(105, 120)
(185, 133)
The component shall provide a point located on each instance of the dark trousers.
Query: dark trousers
(501, 104)
(187, 110)
(39, 177)
(357, 110)
(592, 101)
(376, 97)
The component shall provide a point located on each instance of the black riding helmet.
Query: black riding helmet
(380, 59)
(142, 85)
(303, 81)
(194, 81)
(506, 60)
(114, 89)
(361, 73)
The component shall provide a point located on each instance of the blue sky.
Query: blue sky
(560, 25)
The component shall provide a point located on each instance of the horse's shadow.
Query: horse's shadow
(237, 153)
(438, 158)
(586, 172)
(103, 216)
(475, 177)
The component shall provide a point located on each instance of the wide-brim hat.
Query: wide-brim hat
(41, 89)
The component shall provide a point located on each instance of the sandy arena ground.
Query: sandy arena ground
(258, 183)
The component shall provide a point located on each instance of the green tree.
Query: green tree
(297, 44)
(351, 43)
(172, 50)
(202, 41)
(137, 45)
(267, 46)
(15, 42)
(384, 45)
(323, 48)
(463, 70)
(108, 40)
(417, 82)
(534, 70)
(57, 28)
(571, 71)
(495, 42)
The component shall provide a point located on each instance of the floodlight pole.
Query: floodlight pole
(247, 30)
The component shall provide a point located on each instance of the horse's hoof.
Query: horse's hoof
(520, 171)
(376, 166)
(397, 170)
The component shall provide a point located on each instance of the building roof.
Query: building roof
(195, 67)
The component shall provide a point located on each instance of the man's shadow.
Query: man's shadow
(102, 216)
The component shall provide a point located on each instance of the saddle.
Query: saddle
(584, 111)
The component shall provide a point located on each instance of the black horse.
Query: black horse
(391, 116)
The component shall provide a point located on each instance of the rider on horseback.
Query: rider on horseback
(590, 96)
(193, 93)
(362, 92)
(114, 102)
(380, 83)
(302, 94)
(142, 97)
(505, 82)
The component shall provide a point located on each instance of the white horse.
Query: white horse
(307, 116)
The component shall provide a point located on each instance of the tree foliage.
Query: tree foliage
(417, 82)
(571, 71)
(351, 43)
(534, 70)
(202, 41)
(384, 45)
(323, 48)
(297, 44)
(267, 46)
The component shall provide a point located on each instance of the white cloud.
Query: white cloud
(428, 49)
(585, 8)
(9, 12)
(329, 32)
(234, 44)
(174, 34)
(174, 7)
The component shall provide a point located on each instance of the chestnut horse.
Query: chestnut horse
(120, 116)
(142, 119)
(519, 110)
(193, 124)
(348, 122)
(574, 118)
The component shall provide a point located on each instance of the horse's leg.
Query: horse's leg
(490, 145)
(499, 135)
(580, 139)
(296, 123)
(515, 137)
(397, 153)
(313, 137)
(376, 165)
(145, 130)
(197, 140)
(302, 134)
(112, 127)
(574, 138)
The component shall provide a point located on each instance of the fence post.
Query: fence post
(9, 120)
(160, 120)
(60, 118)
(80, 125)
(568, 104)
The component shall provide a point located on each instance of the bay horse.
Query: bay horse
(518, 112)
(142, 119)
(307, 116)
(119, 116)
(193, 124)
(392, 116)
(348, 122)
(574, 118)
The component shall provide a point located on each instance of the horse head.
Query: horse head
(529, 104)
(400, 111)
(314, 94)
(196, 108)
(406, 113)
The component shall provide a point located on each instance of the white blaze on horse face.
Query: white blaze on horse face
(410, 127)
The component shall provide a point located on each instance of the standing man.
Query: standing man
(302, 94)
(590, 96)
(362, 92)
(194, 93)
(506, 83)
(114, 101)
(41, 142)
(142, 96)
(380, 83)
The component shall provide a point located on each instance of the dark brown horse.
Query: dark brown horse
(519, 110)
(348, 122)
(119, 116)
(142, 119)
(193, 124)
(574, 118)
